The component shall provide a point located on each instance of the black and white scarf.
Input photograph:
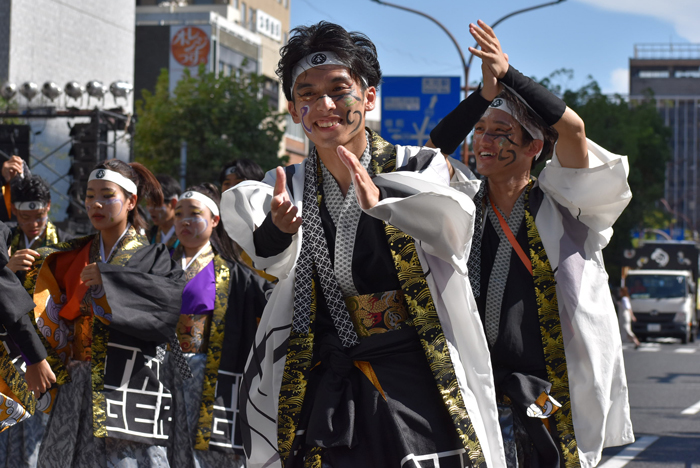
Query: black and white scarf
(315, 256)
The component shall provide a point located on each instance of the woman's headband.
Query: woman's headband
(192, 195)
(535, 133)
(113, 176)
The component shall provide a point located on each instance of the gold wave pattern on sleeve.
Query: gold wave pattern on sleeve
(294, 381)
(427, 324)
(552, 338)
(14, 243)
(51, 237)
(216, 341)
(424, 315)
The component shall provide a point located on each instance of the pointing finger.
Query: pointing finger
(280, 182)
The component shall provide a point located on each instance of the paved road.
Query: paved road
(664, 386)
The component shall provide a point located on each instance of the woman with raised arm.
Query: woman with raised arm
(536, 267)
(221, 306)
(106, 305)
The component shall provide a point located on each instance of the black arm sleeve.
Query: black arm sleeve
(454, 128)
(145, 295)
(269, 240)
(23, 333)
(540, 99)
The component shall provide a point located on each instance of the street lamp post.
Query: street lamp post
(465, 65)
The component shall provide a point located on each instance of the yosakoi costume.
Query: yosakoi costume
(370, 351)
(17, 403)
(543, 296)
(51, 235)
(114, 400)
(221, 305)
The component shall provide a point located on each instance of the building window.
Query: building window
(244, 14)
(687, 74)
(293, 130)
(654, 74)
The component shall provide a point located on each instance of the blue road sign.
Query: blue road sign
(413, 105)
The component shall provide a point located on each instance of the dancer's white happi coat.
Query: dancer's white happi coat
(441, 221)
(575, 223)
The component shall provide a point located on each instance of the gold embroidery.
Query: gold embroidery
(193, 332)
(552, 339)
(377, 313)
(293, 389)
(216, 343)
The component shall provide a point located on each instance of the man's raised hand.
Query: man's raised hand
(490, 53)
(11, 168)
(284, 213)
(367, 193)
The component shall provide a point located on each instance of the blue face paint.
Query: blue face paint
(304, 111)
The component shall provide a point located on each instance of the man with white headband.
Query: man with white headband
(366, 354)
(536, 267)
(31, 202)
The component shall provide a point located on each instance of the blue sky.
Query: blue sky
(591, 37)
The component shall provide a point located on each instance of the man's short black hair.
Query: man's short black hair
(245, 169)
(32, 188)
(353, 48)
(170, 186)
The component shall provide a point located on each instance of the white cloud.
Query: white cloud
(682, 14)
(619, 81)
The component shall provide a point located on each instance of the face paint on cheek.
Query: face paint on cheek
(197, 223)
(350, 121)
(304, 111)
(348, 101)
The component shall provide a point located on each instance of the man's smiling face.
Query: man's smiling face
(330, 105)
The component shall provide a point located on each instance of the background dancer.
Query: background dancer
(221, 306)
(19, 443)
(105, 302)
(163, 216)
(537, 271)
(31, 203)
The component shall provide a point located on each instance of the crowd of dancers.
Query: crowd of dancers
(373, 306)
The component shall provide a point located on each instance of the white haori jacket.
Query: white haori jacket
(575, 223)
(441, 221)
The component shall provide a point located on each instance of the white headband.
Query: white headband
(117, 178)
(317, 59)
(211, 204)
(30, 205)
(535, 133)
(232, 169)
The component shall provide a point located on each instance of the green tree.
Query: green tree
(637, 131)
(220, 118)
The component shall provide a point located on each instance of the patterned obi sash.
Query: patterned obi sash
(378, 312)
